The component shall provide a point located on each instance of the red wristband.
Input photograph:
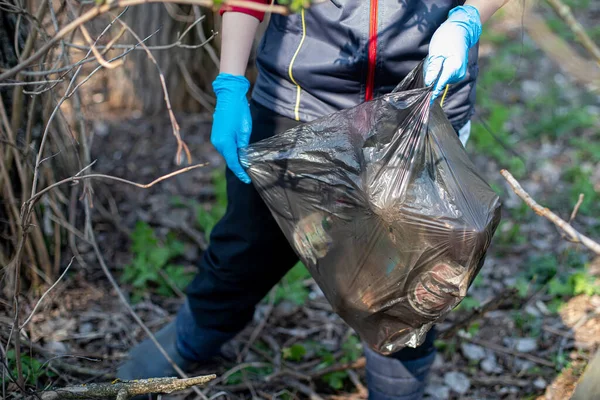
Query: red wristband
(260, 15)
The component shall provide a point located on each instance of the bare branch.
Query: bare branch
(99, 57)
(572, 234)
(97, 11)
(22, 83)
(67, 94)
(114, 178)
(565, 13)
(205, 100)
(126, 389)
(45, 293)
(211, 52)
(99, 67)
(178, 43)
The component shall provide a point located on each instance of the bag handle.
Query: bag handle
(415, 79)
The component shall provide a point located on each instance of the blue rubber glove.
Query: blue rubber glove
(449, 48)
(232, 123)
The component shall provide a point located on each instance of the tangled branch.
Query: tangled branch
(109, 6)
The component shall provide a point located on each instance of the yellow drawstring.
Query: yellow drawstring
(444, 95)
(290, 72)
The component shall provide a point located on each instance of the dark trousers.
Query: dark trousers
(248, 254)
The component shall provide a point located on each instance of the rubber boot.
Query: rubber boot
(147, 361)
(391, 379)
(189, 346)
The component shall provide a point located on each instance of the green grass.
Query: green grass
(32, 368)
(581, 182)
(152, 261)
(578, 283)
(468, 304)
(509, 233)
(352, 350)
(291, 287)
(556, 117)
(485, 138)
(527, 325)
(588, 148)
(251, 373)
(294, 353)
(206, 218)
(207, 214)
(561, 276)
(446, 347)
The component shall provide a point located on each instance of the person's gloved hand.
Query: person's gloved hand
(449, 48)
(232, 123)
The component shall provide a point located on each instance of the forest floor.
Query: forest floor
(537, 123)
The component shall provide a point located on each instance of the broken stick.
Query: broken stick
(123, 390)
(572, 234)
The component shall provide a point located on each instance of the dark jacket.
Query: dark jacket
(339, 53)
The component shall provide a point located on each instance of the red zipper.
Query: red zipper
(372, 51)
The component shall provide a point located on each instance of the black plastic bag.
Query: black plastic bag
(384, 207)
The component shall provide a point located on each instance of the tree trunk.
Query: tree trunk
(187, 72)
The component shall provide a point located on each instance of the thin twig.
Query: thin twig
(27, 49)
(501, 349)
(23, 83)
(112, 42)
(181, 145)
(572, 234)
(45, 293)
(172, 284)
(362, 390)
(501, 380)
(74, 368)
(57, 108)
(99, 67)
(205, 101)
(237, 368)
(209, 49)
(177, 44)
(305, 390)
(358, 364)
(114, 178)
(565, 334)
(478, 313)
(175, 12)
(259, 328)
(576, 208)
(97, 54)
